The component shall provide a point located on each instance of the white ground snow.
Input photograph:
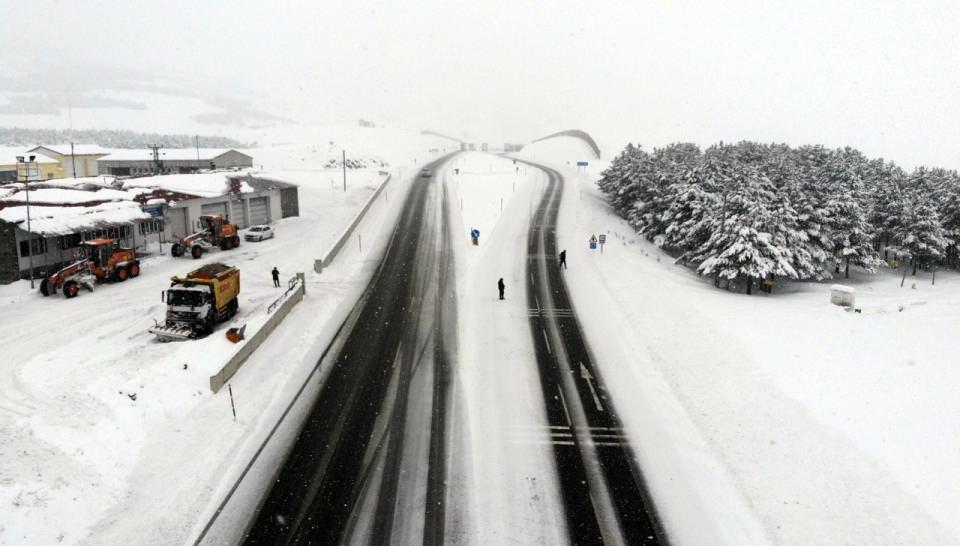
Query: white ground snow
(82, 461)
(772, 418)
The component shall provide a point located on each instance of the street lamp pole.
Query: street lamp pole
(24, 173)
(344, 170)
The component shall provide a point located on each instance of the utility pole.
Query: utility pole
(155, 149)
(344, 170)
(24, 173)
(73, 160)
(197, 141)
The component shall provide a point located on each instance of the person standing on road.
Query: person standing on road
(276, 277)
(563, 258)
(501, 287)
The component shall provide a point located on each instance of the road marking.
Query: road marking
(564, 402)
(535, 298)
(585, 373)
(396, 356)
(545, 340)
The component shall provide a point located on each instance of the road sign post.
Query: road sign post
(602, 241)
(593, 242)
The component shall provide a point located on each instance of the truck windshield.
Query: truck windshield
(185, 297)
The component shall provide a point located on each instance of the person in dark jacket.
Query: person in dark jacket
(276, 277)
(563, 258)
(501, 287)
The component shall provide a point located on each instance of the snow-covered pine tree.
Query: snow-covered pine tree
(808, 199)
(849, 231)
(949, 208)
(920, 232)
(741, 243)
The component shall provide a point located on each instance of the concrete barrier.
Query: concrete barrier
(293, 297)
(327, 258)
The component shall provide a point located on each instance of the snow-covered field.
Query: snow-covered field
(772, 418)
(107, 436)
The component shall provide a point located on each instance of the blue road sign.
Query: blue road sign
(475, 233)
(582, 163)
(593, 245)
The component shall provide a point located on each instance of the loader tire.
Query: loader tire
(70, 289)
(196, 252)
(45, 287)
(176, 250)
(134, 270)
(121, 274)
(236, 241)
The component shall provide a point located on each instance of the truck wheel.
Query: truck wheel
(225, 244)
(176, 250)
(134, 270)
(233, 307)
(234, 242)
(196, 251)
(70, 289)
(121, 274)
(45, 287)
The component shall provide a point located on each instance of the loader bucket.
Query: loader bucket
(167, 333)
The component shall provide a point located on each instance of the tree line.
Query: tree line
(757, 212)
(112, 138)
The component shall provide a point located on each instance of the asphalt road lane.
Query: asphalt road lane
(358, 471)
(604, 494)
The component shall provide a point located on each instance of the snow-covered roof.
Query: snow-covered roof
(199, 184)
(12, 159)
(78, 149)
(168, 154)
(66, 196)
(66, 220)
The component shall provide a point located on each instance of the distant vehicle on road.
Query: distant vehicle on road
(258, 233)
(426, 173)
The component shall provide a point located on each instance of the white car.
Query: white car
(258, 233)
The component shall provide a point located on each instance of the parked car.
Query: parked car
(426, 173)
(258, 233)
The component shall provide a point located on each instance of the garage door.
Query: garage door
(260, 210)
(177, 219)
(214, 208)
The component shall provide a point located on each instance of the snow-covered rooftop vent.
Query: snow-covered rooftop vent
(843, 296)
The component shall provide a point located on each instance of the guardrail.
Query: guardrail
(278, 310)
(327, 258)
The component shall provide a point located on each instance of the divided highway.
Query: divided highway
(604, 494)
(369, 465)
(364, 469)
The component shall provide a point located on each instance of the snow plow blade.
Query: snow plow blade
(165, 333)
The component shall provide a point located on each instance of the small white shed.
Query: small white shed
(843, 296)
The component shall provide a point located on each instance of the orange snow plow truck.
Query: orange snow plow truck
(103, 260)
(214, 232)
(198, 302)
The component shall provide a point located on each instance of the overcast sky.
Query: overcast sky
(881, 76)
